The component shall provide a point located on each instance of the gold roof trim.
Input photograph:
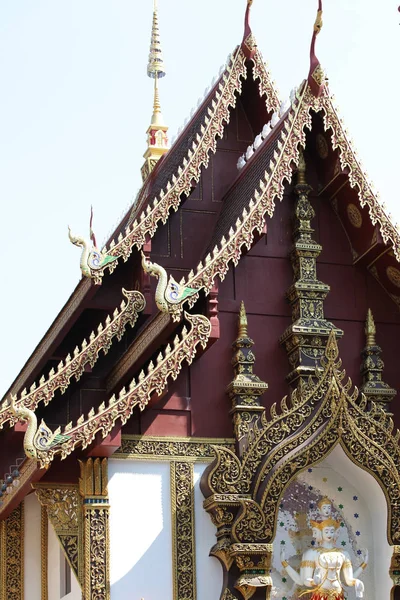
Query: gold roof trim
(154, 379)
(197, 157)
(266, 85)
(73, 367)
(292, 137)
(357, 177)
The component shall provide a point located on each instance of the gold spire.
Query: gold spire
(370, 329)
(242, 322)
(157, 141)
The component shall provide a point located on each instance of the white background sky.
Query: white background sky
(75, 104)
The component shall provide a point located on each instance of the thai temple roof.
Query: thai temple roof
(308, 120)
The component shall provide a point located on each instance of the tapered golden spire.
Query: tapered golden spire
(157, 141)
(370, 329)
(242, 321)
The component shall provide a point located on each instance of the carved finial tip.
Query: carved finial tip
(370, 329)
(242, 321)
(301, 169)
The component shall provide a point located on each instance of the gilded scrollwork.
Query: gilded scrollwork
(93, 488)
(189, 171)
(12, 555)
(182, 504)
(97, 581)
(266, 85)
(168, 364)
(156, 448)
(248, 484)
(44, 541)
(63, 507)
(227, 595)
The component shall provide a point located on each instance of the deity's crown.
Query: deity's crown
(325, 523)
(323, 501)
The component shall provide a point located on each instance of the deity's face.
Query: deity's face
(325, 510)
(328, 534)
(316, 533)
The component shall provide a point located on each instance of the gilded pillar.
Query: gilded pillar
(183, 538)
(44, 541)
(12, 555)
(305, 340)
(93, 489)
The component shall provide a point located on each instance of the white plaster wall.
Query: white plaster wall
(32, 557)
(140, 530)
(54, 571)
(208, 569)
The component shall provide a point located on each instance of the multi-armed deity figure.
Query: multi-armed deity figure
(321, 566)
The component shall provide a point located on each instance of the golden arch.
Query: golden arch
(319, 415)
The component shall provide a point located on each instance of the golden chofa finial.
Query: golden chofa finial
(157, 140)
(242, 321)
(370, 329)
(318, 21)
(301, 169)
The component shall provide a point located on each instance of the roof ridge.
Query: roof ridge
(70, 367)
(291, 135)
(221, 97)
(358, 178)
(181, 182)
(168, 364)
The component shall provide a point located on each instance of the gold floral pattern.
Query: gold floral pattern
(155, 379)
(393, 275)
(182, 506)
(12, 555)
(319, 415)
(354, 215)
(172, 449)
(93, 487)
(64, 509)
(266, 85)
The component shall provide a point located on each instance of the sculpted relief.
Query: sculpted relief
(320, 551)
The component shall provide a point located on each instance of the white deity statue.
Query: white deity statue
(321, 567)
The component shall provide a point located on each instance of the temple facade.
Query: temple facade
(213, 413)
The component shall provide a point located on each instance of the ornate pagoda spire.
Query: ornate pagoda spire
(246, 388)
(306, 338)
(157, 140)
(316, 76)
(373, 387)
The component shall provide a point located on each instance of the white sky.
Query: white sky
(75, 105)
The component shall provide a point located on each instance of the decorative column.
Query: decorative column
(93, 489)
(373, 386)
(244, 557)
(44, 541)
(246, 387)
(12, 555)
(305, 340)
(63, 506)
(183, 538)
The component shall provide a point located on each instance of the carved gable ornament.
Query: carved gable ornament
(243, 489)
